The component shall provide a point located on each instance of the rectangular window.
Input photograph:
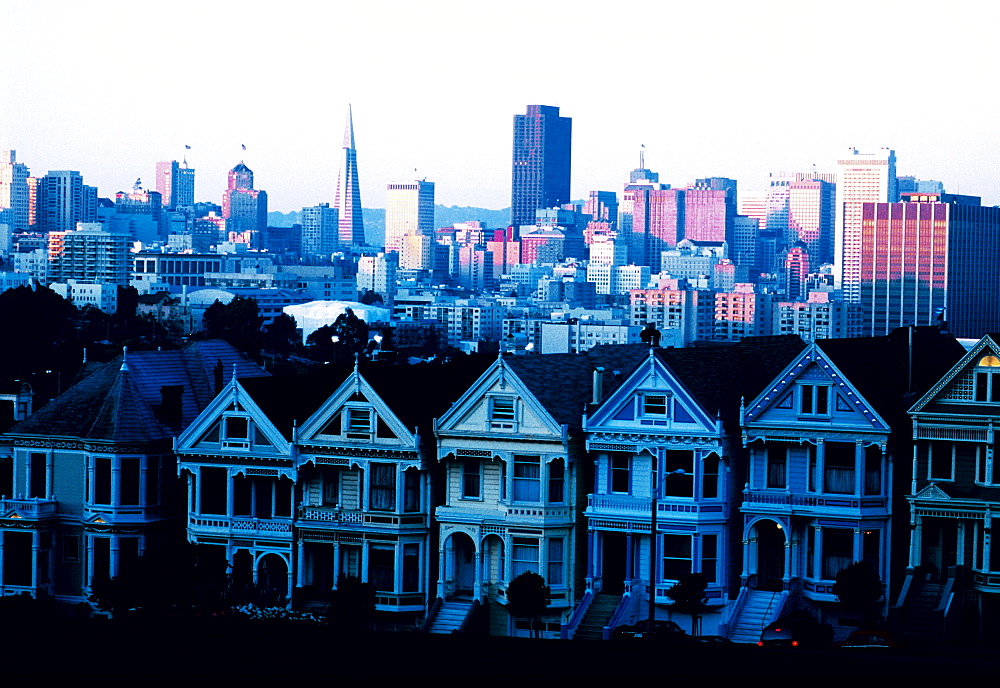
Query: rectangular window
(331, 488)
(777, 466)
(236, 428)
(242, 497)
(557, 482)
(988, 386)
(359, 423)
(383, 487)
(710, 477)
(814, 400)
(620, 465)
(102, 559)
(411, 568)
(37, 473)
(502, 412)
(556, 561)
(129, 475)
(524, 556)
(411, 490)
(71, 548)
(471, 479)
(527, 478)
(676, 556)
(213, 490)
(941, 463)
(381, 569)
(710, 557)
(654, 405)
(838, 468)
(102, 481)
(873, 471)
(676, 484)
(838, 551)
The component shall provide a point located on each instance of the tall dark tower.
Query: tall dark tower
(348, 199)
(541, 168)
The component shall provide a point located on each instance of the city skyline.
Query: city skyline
(718, 115)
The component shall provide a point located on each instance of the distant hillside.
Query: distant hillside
(444, 216)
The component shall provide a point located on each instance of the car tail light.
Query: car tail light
(795, 643)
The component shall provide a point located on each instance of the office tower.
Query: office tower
(409, 210)
(811, 218)
(320, 231)
(656, 221)
(541, 163)
(64, 200)
(910, 184)
(710, 210)
(140, 214)
(89, 254)
(861, 178)
(348, 197)
(14, 190)
(244, 208)
(175, 184)
(796, 270)
(602, 206)
(930, 260)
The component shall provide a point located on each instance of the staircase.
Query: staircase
(922, 620)
(598, 614)
(756, 613)
(450, 616)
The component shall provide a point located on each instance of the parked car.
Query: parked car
(796, 632)
(663, 630)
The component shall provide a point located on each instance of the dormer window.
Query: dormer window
(502, 413)
(814, 400)
(988, 381)
(236, 432)
(654, 405)
(359, 424)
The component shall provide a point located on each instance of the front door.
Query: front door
(770, 556)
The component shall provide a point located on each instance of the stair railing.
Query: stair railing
(568, 629)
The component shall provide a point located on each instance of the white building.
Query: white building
(14, 192)
(861, 178)
(409, 210)
(101, 296)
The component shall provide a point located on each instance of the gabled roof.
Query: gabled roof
(931, 401)
(894, 370)
(719, 376)
(125, 403)
(416, 394)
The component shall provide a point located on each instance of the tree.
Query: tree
(352, 332)
(370, 298)
(859, 587)
(281, 335)
(238, 322)
(352, 604)
(688, 594)
(528, 596)
(39, 332)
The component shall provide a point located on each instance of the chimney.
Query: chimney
(598, 384)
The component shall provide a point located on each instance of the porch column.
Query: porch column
(858, 545)
(916, 526)
(788, 556)
(34, 560)
(859, 471)
(441, 570)
(364, 561)
(818, 553)
(986, 541)
(477, 588)
(290, 580)
(336, 563)
(300, 563)
(960, 544)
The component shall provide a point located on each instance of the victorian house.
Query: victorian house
(668, 461)
(826, 438)
(953, 569)
(515, 476)
(303, 481)
(89, 483)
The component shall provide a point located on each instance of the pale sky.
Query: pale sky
(733, 89)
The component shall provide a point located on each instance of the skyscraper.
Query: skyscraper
(89, 254)
(861, 178)
(175, 184)
(928, 260)
(14, 192)
(244, 207)
(541, 165)
(348, 198)
(320, 229)
(64, 200)
(409, 210)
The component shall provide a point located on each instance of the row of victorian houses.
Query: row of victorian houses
(767, 466)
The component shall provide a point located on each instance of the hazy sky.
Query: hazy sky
(735, 89)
